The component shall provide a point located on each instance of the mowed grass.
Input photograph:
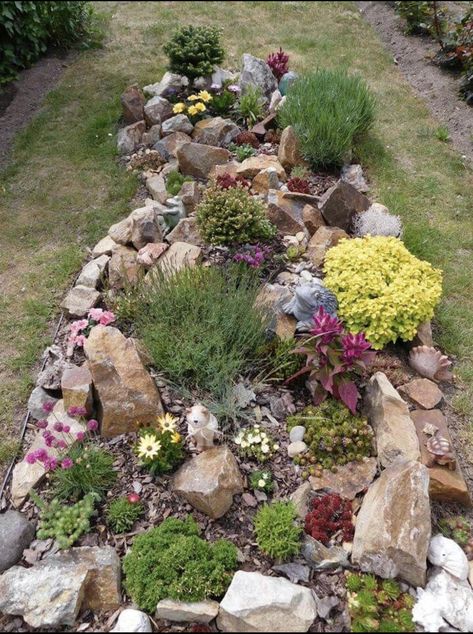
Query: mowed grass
(64, 187)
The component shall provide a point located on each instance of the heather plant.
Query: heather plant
(171, 561)
(329, 110)
(123, 512)
(251, 105)
(278, 63)
(330, 519)
(333, 435)
(232, 216)
(65, 524)
(375, 221)
(159, 448)
(256, 443)
(277, 530)
(334, 358)
(174, 181)
(194, 51)
(80, 329)
(382, 289)
(243, 151)
(261, 481)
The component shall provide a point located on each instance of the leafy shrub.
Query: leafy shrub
(242, 152)
(417, 15)
(174, 181)
(278, 63)
(329, 111)
(376, 221)
(295, 184)
(261, 481)
(229, 216)
(194, 51)
(256, 443)
(277, 531)
(91, 471)
(200, 325)
(329, 516)
(251, 106)
(381, 288)
(171, 561)
(333, 435)
(122, 514)
(65, 524)
(160, 448)
(456, 42)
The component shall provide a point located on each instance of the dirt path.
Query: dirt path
(437, 87)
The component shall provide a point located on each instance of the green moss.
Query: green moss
(277, 531)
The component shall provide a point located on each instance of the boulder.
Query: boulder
(130, 137)
(181, 612)
(92, 273)
(256, 603)
(156, 185)
(16, 534)
(152, 136)
(186, 231)
(209, 481)
(265, 180)
(157, 110)
(273, 297)
(190, 195)
(169, 146)
(423, 392)
(139, 228)
(215, 131)
(285, 326)
(131, 620)
(123, 270)
(170, 84)
(388, 414)
(312, 218)
(80, 300)
(197, 160)
(255, 72)
(424, 335)
(128, 397)
(393, 528)
(225, 168)
(150, 253)
(38, 398)
(285, 213)
(288, 153)
(353, 174)
(48, 595)
(178, 123)
(133, 101)
(349, 479)
(340, 203)
(253, 165)
(178, 256)
(76, 386)
(104, 247)
(323, 239)
(221, 75)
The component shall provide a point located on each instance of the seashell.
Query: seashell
(447, 554)
(439, 445)
(430, 363)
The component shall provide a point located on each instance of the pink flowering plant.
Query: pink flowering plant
(80, 329)
(334, 359)
(254, 255)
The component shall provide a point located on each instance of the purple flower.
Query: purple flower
(233, 88)
(49, 440)
(67, 463)
(66, 429)
(92, 425)
(72, 410)
(61, 444)
(325, 326)
(51, 464)
(75, 410)
(42, 454)
(80, 435)
(354, 346)
(215, 87)
(48, 406)
(42, 424)
(58, 427)
(31, 458)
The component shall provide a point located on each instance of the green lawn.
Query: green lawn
(64, 187)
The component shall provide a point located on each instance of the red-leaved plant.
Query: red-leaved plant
(334, 359)
(297, 184)
(330, 515)
(227, 181)
(278, 63)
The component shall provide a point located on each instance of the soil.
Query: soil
(23, 98)
(438, 88)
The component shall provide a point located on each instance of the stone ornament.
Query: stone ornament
(202, 427)
(441, 451)
(447, 554)
(430, 363)
(307, 300)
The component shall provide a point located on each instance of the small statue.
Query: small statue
(441, 452)
(202, 427)
(307, 300)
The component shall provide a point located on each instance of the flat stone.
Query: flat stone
(349, 479)
(388, 414)
(178, 256)
(38, 398)
(157, 110)
(294, 572)
(256, 72)
(256, 603)
(321, 557)
(312, 218)
(285, 326)
(128, 396)
(423, 392)
(340, 203)
(76, 386)
(289, 152)
(323, 239)
(285, 212)
(178, 123)
(393, 527)
(16, 534)
(215, 131)
(124, 269)
(93, 272)
(156, 185)
(197, 160)
(181, 612)
(130, 136)
(133, 101)
(169, 85)
(187, 231)
(104, 247)
(301, 499)
(253, 165)
(445, 485)
(131, 620)
(47, 595)
(296, 448)
(80, 300)
(209, 481)
(150, 253)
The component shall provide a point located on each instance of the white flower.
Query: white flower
(238, 440)
(265, 448)
(250, 439)
(257, 439)
(275, 447)
(244, 444)
(261, 483)
(265, 476)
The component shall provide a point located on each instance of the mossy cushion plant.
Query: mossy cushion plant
(123, 512)
(175, 180)
(171, 561)
(382, 289)
(277, 531)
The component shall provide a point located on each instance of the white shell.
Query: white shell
(447, 554)
(430, 363)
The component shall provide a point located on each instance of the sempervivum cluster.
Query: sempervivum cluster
(330, 516)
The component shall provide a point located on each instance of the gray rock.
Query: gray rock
(130, 137)
(93, 272)
(296, 448)
(37, 399)
(215, 131)
(16, 534)
(341, 203)
(297, 433)
(80, 300)
(255, 72)
(152, 136)
(178, 123)
(294, 572)
(322, 558)
(157, 110)
(132, 621)
(181, 612)
(353, 174)
(103, 247)
(326, 605)
(221, 75)
(301, 498)
(169, 84)
(307, 300)
(156, 185)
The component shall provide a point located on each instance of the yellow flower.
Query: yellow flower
(205, 96)
(200, 107)
(192, 110)
(193, 97)
(167, 422)
(179, 107)
(148, 447)
(175, 438)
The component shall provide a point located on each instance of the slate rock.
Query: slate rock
(169, 146)
(423, 392)
(178, 123)
(76, 386)
(215, 131)
(16, 534)
(133, 101)
(321, 557)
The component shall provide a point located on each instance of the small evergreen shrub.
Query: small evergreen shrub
(232, 216)
(194, 51)
(277, 531)
(171, 561)
(381, 288)
(174, 181)
(329, 111)
(122, 514)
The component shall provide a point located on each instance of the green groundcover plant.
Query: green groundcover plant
(277, 531)
(123, 512)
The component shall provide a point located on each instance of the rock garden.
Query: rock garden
(242, 424)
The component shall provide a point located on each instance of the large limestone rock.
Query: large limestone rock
(388, 414)
(215, 131)
(186, 231)
(178, 123)
(255, 72)
(139, 228)
(76, 386)
(288, 153)
(103, 247)
(393, 527)
(80, 300)
(156, 185)
(169, 146)
(16, 534)
(196, 159)
(124, 269)
(130, 137)
(128, 397)
(323, 239)
(169, 85)
(157, 110)
(133, 101)
(253, 165)
(340, 203)
(181, 612)
(178, 256)
(48, 595)
(209, 481)
(256, 603)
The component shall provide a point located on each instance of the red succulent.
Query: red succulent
(330, 514)
(133, 498)
(297, 184)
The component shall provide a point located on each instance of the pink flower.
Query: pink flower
(79, 341)
(92, 425)
(61, 444)
(77, 326)
(325, 326)
(67, 463)
(58, 427)
(50, 441)
(354, 346)
(31, 458)
(76, 410)
(48, 406)
(80, 435)
(107, 318)
(41, 454)
(51, 464)
(66, 429)
(42, 424)
(233, 88)
(95, 314)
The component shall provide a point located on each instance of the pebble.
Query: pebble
(296, 448)
(297, 433)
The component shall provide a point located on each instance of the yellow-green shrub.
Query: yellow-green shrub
(381, 288)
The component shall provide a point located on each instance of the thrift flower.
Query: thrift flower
(80, 435)
(58, 427)
(30, 458)
(48, 406)
(41, 424)
(66, 429)
(67, 463)
(92, 425)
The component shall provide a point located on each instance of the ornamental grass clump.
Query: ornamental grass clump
(194, 51)
(329, 110)
(232, 216)
(171, 561)
(381, 288)
(277, 532)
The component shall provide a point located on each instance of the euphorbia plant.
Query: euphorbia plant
(334, 359)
